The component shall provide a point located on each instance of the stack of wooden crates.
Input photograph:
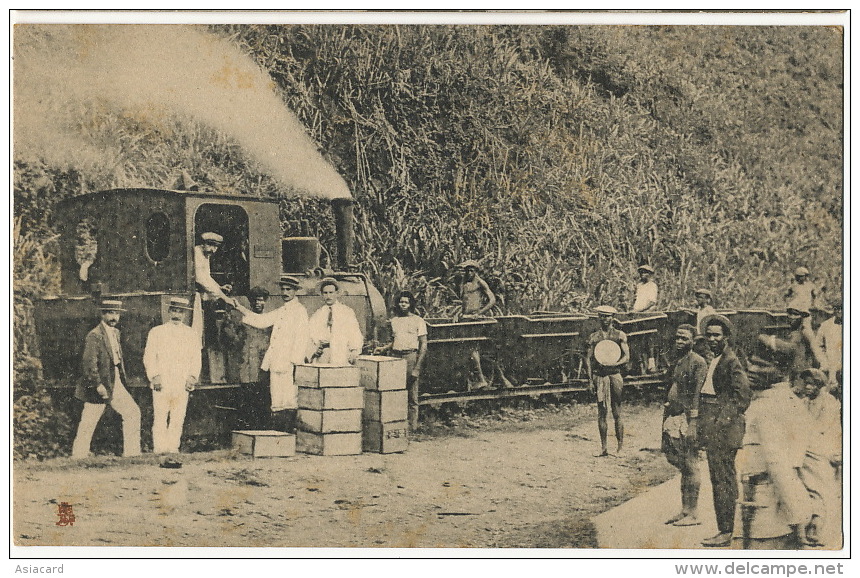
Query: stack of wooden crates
(330, 410)
(385, 427)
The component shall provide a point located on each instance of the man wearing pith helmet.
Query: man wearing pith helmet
(607, 353)
(287, 347)
(103, 383)
(172, 362)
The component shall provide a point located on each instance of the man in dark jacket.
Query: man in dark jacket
(681, 420)
(725, 396)
(103, 383)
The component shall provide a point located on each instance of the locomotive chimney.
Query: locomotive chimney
(343, 221)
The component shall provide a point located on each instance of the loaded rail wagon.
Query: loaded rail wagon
(137, 245)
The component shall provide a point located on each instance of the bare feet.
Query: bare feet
(688, 520)
(675, 518)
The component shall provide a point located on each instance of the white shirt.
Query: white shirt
(406, 331)
(113, 340)
(708, 386)
(830, 340)
(290, 338)
(203, 274)
(172, 353)
(344, 336)
(646, 296)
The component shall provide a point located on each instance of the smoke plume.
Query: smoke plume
(65, 73)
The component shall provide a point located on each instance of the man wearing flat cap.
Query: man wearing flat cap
(605, 374)
(335, 332)
(704, 307)
(209, 294)
(801, 294)
(723, 399)
(172, 362)
(103, 383)
(288, 345)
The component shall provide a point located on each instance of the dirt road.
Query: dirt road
(527, 478)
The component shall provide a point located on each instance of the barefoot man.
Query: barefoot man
(605, 375)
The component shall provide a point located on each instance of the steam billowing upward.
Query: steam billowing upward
(67, 72)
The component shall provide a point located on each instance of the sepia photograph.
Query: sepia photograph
(388, 284)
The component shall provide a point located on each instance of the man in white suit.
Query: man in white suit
(335, 332)
(172, 362)
(288, 345)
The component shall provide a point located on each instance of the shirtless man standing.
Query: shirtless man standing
(477, 299)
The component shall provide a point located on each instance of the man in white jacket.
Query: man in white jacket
(335, 332)
(172, 362)
(288, 346)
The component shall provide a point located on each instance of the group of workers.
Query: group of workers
(787, 427)
(771, 426)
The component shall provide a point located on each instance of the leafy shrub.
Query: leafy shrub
(40, 428)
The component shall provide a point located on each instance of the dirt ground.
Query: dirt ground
(520, 478)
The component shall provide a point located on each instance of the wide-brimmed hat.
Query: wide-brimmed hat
(111, 305)
(801, 271)
(290, 281)
(703, 291)
(718, 319)
(605, 310)
(793, 310)
(329, 281)
(179, 303)
(212, 238)
(645, 267)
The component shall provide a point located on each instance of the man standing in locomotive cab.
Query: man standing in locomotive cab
(288, 346)
(172, 362)
(209, 293)
(103, 383)
(335, 332)
(607, 353)
(680, 422)
(724, 398)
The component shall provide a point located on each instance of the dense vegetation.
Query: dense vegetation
(561, 157)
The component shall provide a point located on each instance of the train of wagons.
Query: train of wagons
(138, 245)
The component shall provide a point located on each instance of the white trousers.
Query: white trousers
(126, 407)
(283, 389)
(168, 411)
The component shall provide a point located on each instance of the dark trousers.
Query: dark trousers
(721, 466)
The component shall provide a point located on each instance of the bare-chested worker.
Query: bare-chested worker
(477, 299)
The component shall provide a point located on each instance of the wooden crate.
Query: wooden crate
(385, 406)
(264, 443)
(385, 438)
(327, 375)
(382, 373)
(331, 397)
(330, 420)
(328, 444)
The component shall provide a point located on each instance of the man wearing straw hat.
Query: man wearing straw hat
(209, 293)
(288, 346)
(607, 353)
(172, 362)
(103, 383)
